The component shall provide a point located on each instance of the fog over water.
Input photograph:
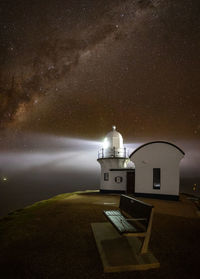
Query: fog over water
(35, 167)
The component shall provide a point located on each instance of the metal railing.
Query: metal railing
(113, 153)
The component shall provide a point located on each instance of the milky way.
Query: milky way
(77, 67)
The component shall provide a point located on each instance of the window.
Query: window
(156, 178)
(106, 176)
(118, 179)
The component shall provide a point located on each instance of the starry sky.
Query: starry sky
(75, 68)
(70, 69)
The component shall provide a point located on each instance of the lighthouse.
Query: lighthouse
(113, 158)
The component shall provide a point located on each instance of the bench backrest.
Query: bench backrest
(135, 208)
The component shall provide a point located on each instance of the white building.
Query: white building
(156, 171)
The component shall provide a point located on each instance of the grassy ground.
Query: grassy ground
(53, 239)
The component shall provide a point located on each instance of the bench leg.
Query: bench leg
(145, 244)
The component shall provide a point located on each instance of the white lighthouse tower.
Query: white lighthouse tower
(113, 158)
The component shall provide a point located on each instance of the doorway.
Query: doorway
(130, 184)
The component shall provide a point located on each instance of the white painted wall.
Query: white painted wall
(113, 163)
(157, 155)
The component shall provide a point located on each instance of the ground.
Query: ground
(53, 239)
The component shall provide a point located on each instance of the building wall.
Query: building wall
(111, 184)
(157, 155)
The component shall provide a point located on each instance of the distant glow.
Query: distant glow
(4, 179)
(105, 143)
(194, 187)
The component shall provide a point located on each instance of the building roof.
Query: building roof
(165, 142)
(113, 139)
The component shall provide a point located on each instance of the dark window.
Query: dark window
(106, 176)
(118, 179)
(156, 178)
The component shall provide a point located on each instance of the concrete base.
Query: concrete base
(157, 196)
(119, 253)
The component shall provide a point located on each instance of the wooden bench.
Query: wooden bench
(134, 218)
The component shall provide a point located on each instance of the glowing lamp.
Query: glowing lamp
(105, 143)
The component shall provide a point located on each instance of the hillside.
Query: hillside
(53, 239)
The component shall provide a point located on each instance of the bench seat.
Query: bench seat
(121, 223)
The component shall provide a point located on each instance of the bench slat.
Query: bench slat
(120, 222)
(135, 208)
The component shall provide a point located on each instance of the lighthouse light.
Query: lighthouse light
(105, 143)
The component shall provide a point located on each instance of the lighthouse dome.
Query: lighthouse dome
(113, 139)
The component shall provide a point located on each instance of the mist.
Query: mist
(34, 167)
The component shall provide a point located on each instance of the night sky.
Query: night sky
(72, 69)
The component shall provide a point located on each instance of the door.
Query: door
(130, 184)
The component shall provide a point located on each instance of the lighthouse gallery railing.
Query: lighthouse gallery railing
(113, 153)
